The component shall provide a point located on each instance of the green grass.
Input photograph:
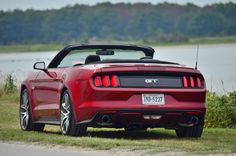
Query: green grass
(213, 40)
(201, 41)
(58, 46)
(214, 140)
(30, 48)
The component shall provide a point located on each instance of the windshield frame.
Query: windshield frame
(148, 51)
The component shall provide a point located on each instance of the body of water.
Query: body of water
(217, 62)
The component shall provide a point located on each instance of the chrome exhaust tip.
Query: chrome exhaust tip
(106, 119)
(194, 120)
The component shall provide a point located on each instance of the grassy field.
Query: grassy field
(30, 47)
(56, 47)
(213, 40)
(153, 141)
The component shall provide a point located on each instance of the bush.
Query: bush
(221, 110)
(9, 85)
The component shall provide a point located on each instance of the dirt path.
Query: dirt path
(17, 148)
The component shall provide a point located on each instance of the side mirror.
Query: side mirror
(40, 66)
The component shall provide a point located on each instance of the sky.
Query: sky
(56, 4)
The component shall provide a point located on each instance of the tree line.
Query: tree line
(122, 21)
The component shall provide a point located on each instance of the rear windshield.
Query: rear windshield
(77, 57)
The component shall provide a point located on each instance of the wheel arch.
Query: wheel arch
(23, 87)
(65, 88)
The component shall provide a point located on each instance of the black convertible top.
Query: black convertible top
(147, 50)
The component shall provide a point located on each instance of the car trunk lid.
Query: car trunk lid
(148, 76)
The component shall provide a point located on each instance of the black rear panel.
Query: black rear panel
(150, 81)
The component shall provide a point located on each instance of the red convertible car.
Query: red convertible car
(116, 86)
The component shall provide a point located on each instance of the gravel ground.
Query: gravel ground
(18, 148)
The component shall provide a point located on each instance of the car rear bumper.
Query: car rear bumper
(147, 118)
(144, 117)
(124, 107)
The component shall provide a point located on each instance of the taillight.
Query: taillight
(185, 81)
(106, 81)
(115, 81)
(199, 82)
(98, 81)
(192, 82)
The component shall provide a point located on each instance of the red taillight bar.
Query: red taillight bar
(114, 81)
(106, 81)
(192, 82)
(185, 81)
(98, 81)
(199, 83)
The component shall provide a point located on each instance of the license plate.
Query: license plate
(153, 99)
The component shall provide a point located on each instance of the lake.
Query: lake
(217, 62)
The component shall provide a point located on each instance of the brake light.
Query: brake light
(115, 81)
(106, 81)
(199, 83)
(192, 82)
(98, 81)
(185, 81)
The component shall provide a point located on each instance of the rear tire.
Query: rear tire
(67, 121)
(25, 116)
(190, 132)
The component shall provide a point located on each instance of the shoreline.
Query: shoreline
(19, 48)
(26, 50)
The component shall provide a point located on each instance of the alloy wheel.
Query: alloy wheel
(65, 113)
(24, 111)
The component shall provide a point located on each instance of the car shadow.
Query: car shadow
(132, 135)
(52, 132)
(121, 134)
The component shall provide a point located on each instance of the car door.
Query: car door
(47, 94)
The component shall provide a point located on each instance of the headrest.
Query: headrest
(92, 58)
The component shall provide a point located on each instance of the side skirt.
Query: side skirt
(48, 121)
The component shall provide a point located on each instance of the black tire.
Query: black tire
(67, 121)
(25, 116)
(190, 132)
